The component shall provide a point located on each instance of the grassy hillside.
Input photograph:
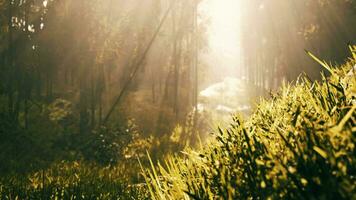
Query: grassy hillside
(298, 144)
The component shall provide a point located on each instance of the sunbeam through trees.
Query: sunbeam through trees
(177, 99)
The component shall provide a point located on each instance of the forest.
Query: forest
(177, 99)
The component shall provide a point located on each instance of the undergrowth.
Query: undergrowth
(298, 144)
(71, 180)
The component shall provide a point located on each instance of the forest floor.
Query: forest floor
(297, 144)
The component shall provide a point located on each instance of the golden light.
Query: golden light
(224, 33)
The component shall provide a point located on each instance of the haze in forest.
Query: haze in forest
(97, 92)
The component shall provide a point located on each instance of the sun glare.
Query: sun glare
(224, 32)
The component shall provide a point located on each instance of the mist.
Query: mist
(172, 99)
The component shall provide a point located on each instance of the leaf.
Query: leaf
(347, 117)
(295, 116)
(259, 162)
(322, 63)
(353, 50)
(321, 152)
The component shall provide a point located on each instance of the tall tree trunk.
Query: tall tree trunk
(153, 86)
(175, 60)
(196, 59)
(83, 107)
(10, 60)
(93, 97)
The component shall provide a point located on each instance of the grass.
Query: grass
(71, 180)
(298, 144)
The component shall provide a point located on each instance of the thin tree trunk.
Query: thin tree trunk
(10, 61)
(93, 99)
(196, 55)
(153, 87)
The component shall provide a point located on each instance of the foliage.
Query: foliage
(64, 66)
(71, 180)
(23, 150)
(53, 135)
(86, 51)
(107, 146)
(299, 144)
